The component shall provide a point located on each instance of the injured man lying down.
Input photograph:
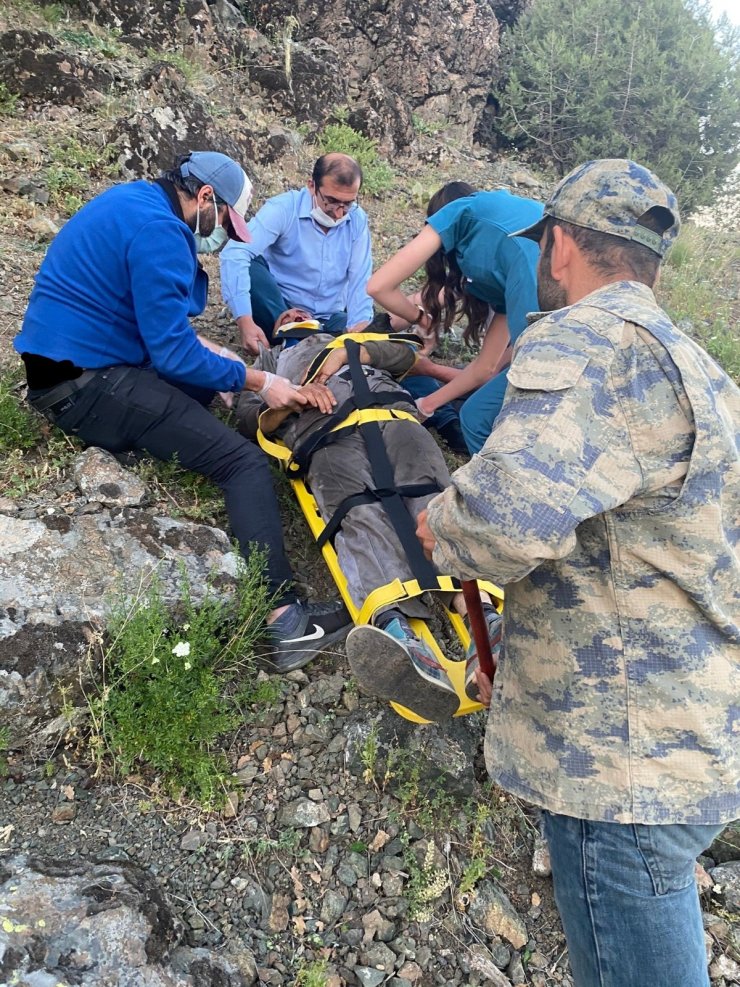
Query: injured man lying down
(372, 469)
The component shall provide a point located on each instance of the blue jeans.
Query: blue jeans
(268, 302)
(479, 412)
(421, 386)
(628, 901)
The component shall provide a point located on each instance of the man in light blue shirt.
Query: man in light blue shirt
(309, 249)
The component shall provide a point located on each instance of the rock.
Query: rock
(435, 60)
(175, 121)
(234, 967)
(369, 977)
(63, 813)
(59, 577)
(726, 888)
(726, 846)
(303, 814)
(411, 971)
(482, 963)
(491, 909)
(91, 922)
(377, 927)
(231, 808)
(441, 754)
(101, 477)
(727, 968)
(279, 915)
(192, 840)
(33, 64)
(333, 907)
(541, 866)
(42, 229)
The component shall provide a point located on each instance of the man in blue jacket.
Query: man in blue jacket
(111, 357)
(309, 249)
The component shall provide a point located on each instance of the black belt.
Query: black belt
(60, 392)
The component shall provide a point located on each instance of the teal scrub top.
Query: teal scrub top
(499, 269)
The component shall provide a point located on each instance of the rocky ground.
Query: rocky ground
(354, 848)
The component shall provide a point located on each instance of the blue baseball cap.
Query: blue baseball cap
(229, 182)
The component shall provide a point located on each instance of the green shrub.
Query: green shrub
(73, 165)
(656, 81)
(312, 974)
(19, 427)
(8, 101)
(170, 681)
(377, 174)
(108, 47)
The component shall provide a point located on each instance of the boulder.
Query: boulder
(101, 921)
(60, 576)
(33, 64)
(439, 58)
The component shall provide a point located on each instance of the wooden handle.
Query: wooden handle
(478, 626)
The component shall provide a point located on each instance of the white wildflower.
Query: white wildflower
(187, 666)
(181, 649)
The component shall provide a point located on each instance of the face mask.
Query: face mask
(210, 244)
(323, 219)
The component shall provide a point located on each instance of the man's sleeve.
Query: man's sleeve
(359, 303)
(559, 453)
(395, 357)
(161, 295)
(236, 258)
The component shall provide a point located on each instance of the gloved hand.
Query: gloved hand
(279, 392)
(423, 415)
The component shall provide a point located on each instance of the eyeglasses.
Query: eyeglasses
(332, 203)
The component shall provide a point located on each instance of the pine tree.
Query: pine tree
(647, 79)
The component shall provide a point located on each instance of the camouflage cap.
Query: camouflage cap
(611, 195)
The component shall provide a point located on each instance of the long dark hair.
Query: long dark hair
(444, 277)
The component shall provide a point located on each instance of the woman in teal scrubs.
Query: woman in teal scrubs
(474, 268)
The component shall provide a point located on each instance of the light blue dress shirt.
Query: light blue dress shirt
(323, 272)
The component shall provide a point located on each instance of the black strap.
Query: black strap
(382, 471)
(367, 497)
(324, 436)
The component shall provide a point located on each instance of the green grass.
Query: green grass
(170, 685)
(699, 290)
(20, 428)
(377, 174)
(72, 166)
(314, 974)
(8, 101)
(105, 46)
(187, 494)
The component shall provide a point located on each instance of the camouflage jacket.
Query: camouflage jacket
(607, 502)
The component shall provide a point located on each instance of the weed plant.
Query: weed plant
(699, 289)
(312, 974)
(8, 101)
(68, 176)
(377, 174)
(189, 495)
(171, 681)
(20, 429)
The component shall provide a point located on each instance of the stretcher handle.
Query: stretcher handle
(478, 626)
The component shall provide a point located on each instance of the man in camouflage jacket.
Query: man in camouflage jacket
(607, 503)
